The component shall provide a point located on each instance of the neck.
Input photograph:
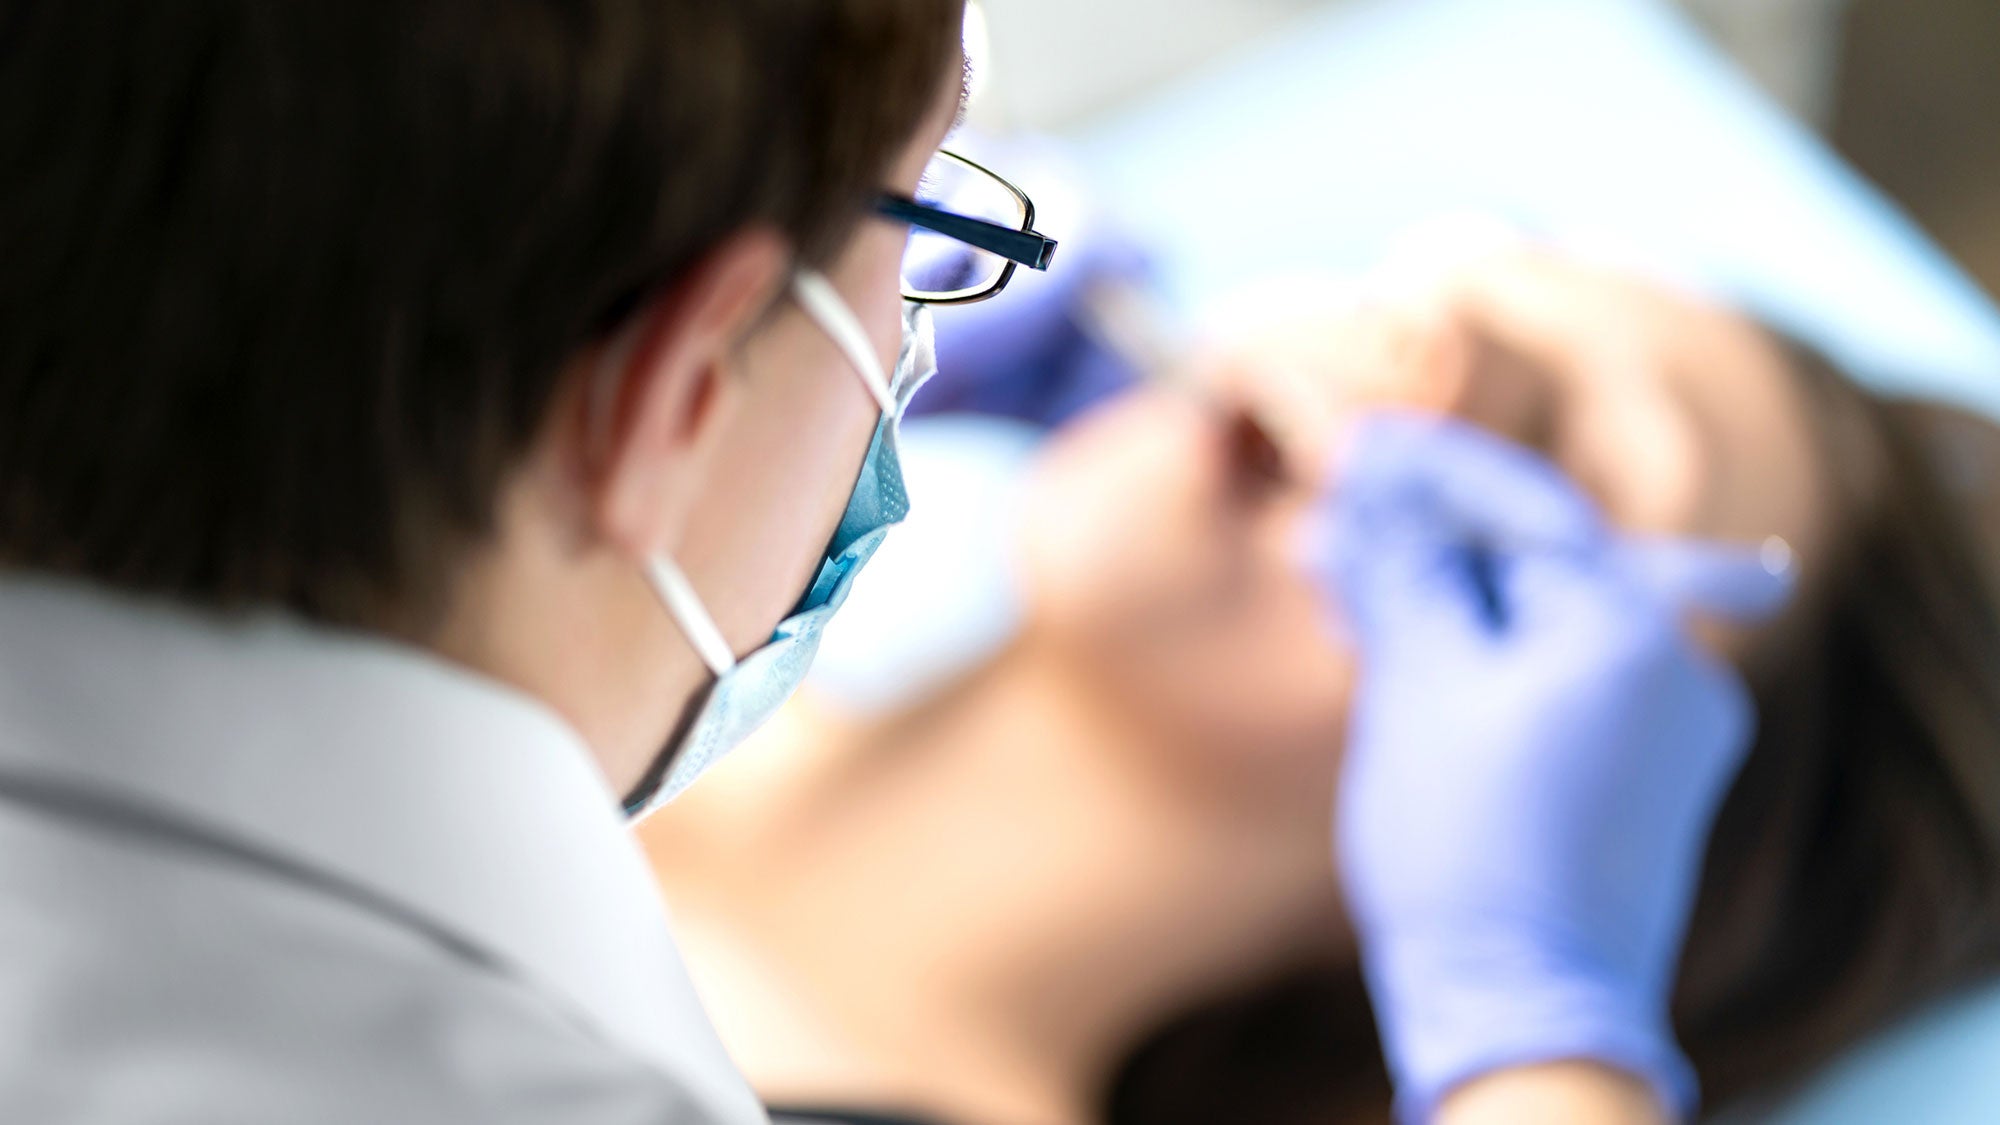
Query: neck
(974, 910)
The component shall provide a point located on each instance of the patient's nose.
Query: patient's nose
(1503, 391)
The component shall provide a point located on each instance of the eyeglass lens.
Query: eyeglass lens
(938, 266)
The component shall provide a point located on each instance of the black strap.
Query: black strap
(812, 1115)
(656, 774)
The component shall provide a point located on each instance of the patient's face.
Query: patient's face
(1161, 564)
(1166, 571)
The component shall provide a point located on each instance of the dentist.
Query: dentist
(429, 432)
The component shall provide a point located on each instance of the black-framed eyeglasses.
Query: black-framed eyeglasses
(969, 230)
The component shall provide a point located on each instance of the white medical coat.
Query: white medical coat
(252, 871)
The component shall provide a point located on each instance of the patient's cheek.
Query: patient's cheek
(1182, 602)
(1127, 522)
(1267, 677)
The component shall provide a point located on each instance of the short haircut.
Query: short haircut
(287, 286)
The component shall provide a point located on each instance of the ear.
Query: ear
(661, 395)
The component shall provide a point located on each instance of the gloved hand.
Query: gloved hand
(1536, 754)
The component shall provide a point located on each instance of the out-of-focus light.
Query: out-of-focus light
(978, 48)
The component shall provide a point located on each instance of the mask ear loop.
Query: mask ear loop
(684, 606)
(822, 302)
(817, 296)
(670, 583)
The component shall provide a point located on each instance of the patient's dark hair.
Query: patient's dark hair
(287, 286)
(1855, 868)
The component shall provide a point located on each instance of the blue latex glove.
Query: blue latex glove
(1536, 755)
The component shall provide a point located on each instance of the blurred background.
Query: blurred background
(1217, 168)
(1917, 106)
(1905, 89)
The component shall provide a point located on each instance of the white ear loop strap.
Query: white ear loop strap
(821, 301)
(671, 584)
(817, 296)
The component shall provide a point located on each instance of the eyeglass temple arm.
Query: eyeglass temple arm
(1023, 246)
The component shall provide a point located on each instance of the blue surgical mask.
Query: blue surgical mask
(748, 691)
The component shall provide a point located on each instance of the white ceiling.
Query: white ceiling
(1056, 62)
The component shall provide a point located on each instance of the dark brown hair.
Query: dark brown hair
(287, 286)
(1854, 870)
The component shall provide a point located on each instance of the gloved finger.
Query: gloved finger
(1397, 578)
(1412, 533)
(1741, 585)
(1480, 488)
